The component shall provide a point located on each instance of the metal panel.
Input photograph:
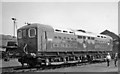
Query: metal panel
(39, 43)
(43, 40)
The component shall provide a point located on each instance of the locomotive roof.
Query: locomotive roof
(66, 31)
(50, 28)
(104, 36)
(92, 35)
(45, 27)
(84, 34)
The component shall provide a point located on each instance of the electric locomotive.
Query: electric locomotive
(40, 44)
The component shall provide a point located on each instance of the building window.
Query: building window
(32, 32)
(20, 34)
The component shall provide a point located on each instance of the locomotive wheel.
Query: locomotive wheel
(89, 58)
(64, 59)
(47, 61)
(7, 59)
(32, 62)
(31, 65)
(21, 60)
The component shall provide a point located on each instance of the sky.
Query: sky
(90, 16)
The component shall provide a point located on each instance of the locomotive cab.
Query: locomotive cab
(32, 39)
(27, 40)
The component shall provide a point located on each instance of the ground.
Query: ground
(98, 67)
(101, 67)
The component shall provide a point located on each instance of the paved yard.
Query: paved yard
(99, 67)
(12, 62)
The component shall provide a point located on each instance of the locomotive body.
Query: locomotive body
(43, 44)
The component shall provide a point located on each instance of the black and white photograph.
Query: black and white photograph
(59, 36)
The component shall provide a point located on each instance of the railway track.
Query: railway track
(40, 68)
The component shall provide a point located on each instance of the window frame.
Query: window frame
(65, 31)
(21, 34)
(29, 32)
(24, 33)
(57, 30)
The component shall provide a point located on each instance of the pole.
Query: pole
(14, 22)
(14, 27)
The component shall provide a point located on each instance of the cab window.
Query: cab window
(32, 32)
(24, 33)
(20, 34)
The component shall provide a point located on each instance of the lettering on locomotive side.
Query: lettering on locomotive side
(100, 46)
(64, 45)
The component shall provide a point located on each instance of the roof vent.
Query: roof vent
(27, 23)
(82, 31)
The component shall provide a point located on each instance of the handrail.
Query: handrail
(25, 48)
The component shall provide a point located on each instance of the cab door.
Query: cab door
(44, 41)
(32, 40)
